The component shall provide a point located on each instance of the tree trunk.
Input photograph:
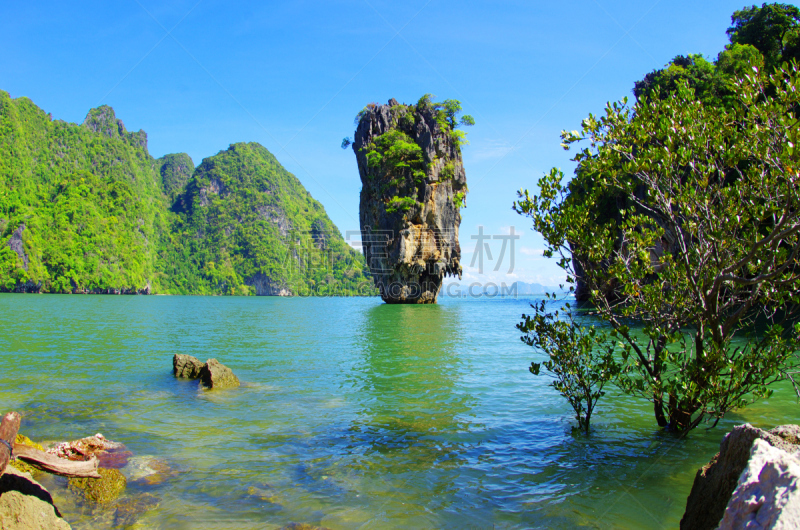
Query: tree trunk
(658, 401)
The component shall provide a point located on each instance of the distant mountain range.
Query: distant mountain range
(522, 288)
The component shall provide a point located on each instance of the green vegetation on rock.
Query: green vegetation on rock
(85, 208)
(24, 466)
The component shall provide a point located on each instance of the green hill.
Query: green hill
(85, 208)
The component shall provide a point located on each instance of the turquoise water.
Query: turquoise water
(352, 414)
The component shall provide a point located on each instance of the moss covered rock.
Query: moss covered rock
(99, 490)
(19, 464)
(216, 375)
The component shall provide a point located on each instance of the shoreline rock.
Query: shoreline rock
(716, 482)
(27, 505)
(768, 493)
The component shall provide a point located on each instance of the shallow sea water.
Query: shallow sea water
(352, 414)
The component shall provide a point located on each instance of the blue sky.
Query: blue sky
(200, 75)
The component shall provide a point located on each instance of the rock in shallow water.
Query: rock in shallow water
(413, 186)
(25, 504)
(216, 375)
(99, 490)
(186, 366)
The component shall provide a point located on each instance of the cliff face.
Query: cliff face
(413, 186)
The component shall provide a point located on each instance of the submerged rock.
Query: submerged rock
(130, 509)
(216, 375)
(99, 490)
(25, 504)
(186, 366)
(768, 493)
(717, 480)
(413, 186)
(149, 470)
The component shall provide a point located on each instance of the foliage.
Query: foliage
(400, 204)
(773, 29)
(697, 271)
(581, 360)
(175, 170)
(395, 151)
(460, 199)
(761, 37)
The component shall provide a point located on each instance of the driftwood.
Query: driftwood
(8, 433)
(38, 459)
(55, 465)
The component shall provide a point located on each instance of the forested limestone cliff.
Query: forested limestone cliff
(86, 209)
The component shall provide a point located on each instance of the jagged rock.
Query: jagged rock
(16, 244)
(413, 185)
(103, 120)
(216, 375)
(26, 505)
(99, 490)
(716, 481)
(186, 366)
(768, 493)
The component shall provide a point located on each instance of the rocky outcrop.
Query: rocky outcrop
(26, 505)
(216, 375)
(413, 186)
(768, 493)
(16, 244)
(186, 366)
(716, 481)
(264, 286)
(103, 120)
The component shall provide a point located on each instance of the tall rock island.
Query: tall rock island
(413, 187)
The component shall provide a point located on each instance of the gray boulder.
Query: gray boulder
(26, 505)
(768, 493)
(186, 366)
(216, 375)
(716, 481)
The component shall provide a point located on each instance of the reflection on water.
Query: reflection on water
(412, 408)
(352, 414)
